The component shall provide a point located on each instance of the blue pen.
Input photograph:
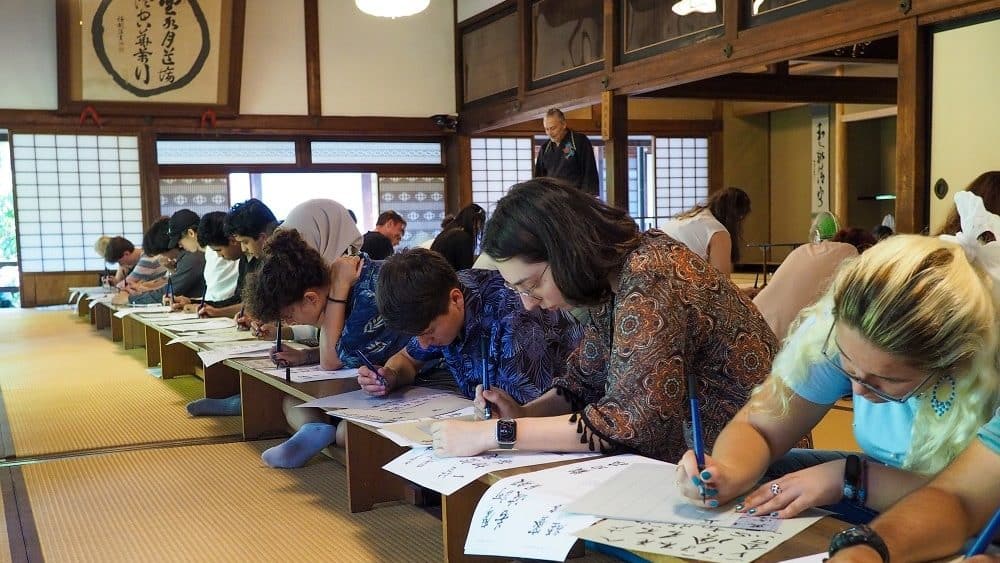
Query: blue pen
(170, 291)
(372, 368)
(484, 350)
(986, 536)
(696, 436)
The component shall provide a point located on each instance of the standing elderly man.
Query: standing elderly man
(567, 155)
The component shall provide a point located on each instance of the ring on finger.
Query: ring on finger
(775, 489)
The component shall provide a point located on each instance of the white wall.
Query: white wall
(469, 8)
(965, 126)
(28, 65)
(274, 59)
(402, 67)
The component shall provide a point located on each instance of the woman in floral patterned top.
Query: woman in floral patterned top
(657, 312)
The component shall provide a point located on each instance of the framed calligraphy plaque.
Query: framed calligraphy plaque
(168, 57)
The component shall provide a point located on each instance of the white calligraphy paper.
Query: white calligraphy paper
(698, 542)
(619, 498)
(449, 474)
(301, 374)
(522, 516)
(417, 433)
(256, 348)
(129, 310)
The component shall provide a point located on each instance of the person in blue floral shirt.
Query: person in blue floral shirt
(459, 315)
(296, 284)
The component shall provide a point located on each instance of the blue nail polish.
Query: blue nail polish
(773, 514)
(713, 503)
(696, 481)
(741, 499)
(706, 475)
(711, 492)
(752, 511)
(738, 507)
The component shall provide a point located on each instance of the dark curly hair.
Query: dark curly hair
(583, 239)
(250, 219)
(413, 289)
(212, 229)
(289, 268)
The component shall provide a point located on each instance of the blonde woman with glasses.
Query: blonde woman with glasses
(909, 329)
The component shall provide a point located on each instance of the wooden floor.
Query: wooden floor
(148, 494)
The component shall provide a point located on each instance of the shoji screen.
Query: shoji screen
(69, 190)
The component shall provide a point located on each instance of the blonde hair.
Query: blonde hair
(917, 298)
(101, 245)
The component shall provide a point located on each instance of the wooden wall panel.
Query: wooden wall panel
(52, 288)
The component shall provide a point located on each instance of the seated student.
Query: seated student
(986, 186)
(389, 230)
(444, 225)
(908, 328)
(659, 314)
(714, 229)
(250, 223)
(186, 270)
(220, 275)
(149, 273)
(323, 224)
(935, 520)
(806, 272)
(449, 314)
(295, 282)
(225, 267)
(121, 251)
(458, 242)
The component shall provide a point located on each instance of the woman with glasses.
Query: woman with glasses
(909, 329)
(659, 317)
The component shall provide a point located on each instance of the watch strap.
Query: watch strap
(860, 535)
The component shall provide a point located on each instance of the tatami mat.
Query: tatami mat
(4, 537)
(69, 388)
(214, 503)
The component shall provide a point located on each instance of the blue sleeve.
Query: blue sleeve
(824, 385)
(422, 354)
(990, 433)
(533, 347)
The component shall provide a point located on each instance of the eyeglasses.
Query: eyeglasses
(529, 292)
(834, 360)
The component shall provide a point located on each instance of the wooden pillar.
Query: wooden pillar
(911, 129)
(614, 129)
(840, 192)
(149, 178)
(458, 160)
(313, 90)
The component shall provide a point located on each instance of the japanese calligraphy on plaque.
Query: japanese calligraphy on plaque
(820, 158)
(166, 51)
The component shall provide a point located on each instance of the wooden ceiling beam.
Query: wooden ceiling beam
(787, 88)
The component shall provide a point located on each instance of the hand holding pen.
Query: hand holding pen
(484, 350)
(375, 372)
(984, 538)
(242, 322)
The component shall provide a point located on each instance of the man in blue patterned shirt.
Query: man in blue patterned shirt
(451, 314)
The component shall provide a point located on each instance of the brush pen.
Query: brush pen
(698, 442)
(985, 537)
(484, 350)
(239, 316)
(374, 369)
(277, 349)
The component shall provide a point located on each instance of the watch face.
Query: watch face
(506, 430)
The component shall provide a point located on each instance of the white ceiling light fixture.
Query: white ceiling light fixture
(392, 8)
(685, 7)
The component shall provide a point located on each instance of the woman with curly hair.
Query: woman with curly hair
(295, 283)
(660, 317)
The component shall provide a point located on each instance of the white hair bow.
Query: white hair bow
(976, 220)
